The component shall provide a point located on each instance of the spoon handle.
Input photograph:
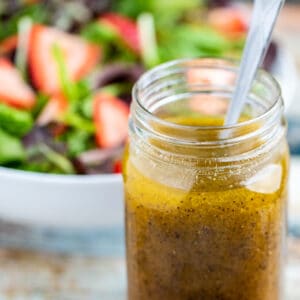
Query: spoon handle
(262, 24)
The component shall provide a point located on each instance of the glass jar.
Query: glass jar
(205, 203)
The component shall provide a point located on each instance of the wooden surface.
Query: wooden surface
(26, 275)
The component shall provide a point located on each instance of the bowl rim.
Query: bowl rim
(58, 178)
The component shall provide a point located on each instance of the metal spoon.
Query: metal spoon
(263, 21)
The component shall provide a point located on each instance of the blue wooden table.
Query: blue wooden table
(35, 276)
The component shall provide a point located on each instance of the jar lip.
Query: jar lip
(206, 62)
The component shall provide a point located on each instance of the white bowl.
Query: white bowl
(57, 201)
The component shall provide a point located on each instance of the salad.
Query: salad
(67, 69)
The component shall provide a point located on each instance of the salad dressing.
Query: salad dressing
(203, 237)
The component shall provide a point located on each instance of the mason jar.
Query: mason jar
(205, 203)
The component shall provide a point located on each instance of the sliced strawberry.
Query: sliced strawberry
(8, 45)
(56, 106)
(118, 167)
(208, 76)
(13, 89)
(125, 28)
(111, 118)
(208, 104)
(80, 57)
(229, 20)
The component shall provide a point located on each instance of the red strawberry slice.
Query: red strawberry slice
(125, 28)
(8, 45)
(80, 57)
(56, 106)
(117, 167)
(229, 20)
(111, 118)
(13, 89)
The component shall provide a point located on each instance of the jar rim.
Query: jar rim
(205, 62)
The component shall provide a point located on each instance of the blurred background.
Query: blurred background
(61, 224)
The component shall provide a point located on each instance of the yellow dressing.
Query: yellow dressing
(212, 239)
